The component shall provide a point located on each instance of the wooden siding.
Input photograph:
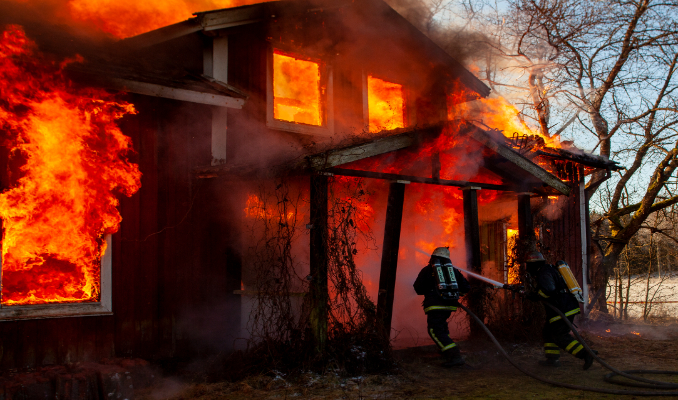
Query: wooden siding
(175, 258)
(560, 238)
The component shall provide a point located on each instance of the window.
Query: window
(385, 105)
(299, 94)
(14, 306)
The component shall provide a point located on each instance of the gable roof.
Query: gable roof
(372, 11)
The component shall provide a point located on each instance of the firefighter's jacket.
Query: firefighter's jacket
(425, 285)
(551, 286)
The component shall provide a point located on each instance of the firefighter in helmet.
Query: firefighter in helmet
(549, 285)
(441, 285)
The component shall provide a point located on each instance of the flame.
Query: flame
(256, 208)
(607, 330)
(69, 158)
(125, 18)
(499, 114)
(635, 333)
(296, 90)
(514, 270)
(385, 105)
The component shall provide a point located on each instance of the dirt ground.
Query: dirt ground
(487, 374)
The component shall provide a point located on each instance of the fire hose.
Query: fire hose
(647, 383)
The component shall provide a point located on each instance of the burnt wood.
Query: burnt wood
(525, 222)
(473, 254)
(389, 255)
(417, 179)
(319, 260)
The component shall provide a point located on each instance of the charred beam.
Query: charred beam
(319, 260)
(359, 152)
(525, 222)
(418, 179)
(389, 255)
(472, 241)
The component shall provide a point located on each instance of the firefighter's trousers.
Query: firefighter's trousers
(557, 336)
(436, 319)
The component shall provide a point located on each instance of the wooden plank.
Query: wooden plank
(319, 260)
(471, 228)
(521, 161)
(354, 153)
(389, 255)
(191, 96)
(473, 255)
(525, 220)
(417, 179)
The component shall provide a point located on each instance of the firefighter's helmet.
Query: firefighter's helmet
(535, 256)
(443, 252)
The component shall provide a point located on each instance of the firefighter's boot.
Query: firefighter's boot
(550, 362)
(588, 360)
(453, 358)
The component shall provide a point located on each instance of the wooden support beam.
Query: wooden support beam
(355, 153)
(417, 179)
(472, 241)
(525, 222)
(436, 166)
(319, 261)
(389, 255)
(192, 96)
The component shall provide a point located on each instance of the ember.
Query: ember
(513, 273)
(68, 158)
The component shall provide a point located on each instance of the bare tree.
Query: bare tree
(605, 72)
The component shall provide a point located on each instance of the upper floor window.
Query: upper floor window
(299, 94)
(385, 105)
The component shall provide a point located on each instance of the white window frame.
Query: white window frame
(60, 310)
(327, 126)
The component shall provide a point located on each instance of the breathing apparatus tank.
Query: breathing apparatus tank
(570, 280)
(446, 283)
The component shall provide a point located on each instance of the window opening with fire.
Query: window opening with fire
(67, 164)
(386, 105)
(297, 90)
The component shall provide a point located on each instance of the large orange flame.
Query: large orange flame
(67, 160)
(499, 114)
(296, 90)
(385, 105)
(125, 18)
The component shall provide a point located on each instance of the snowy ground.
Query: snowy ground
(663, 295)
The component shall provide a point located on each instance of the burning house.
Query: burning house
(326, 94)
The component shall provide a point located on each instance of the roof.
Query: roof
(271, 11)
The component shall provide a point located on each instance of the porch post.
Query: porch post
(525, 222)
(389, 255)
(472, 240)
(319, 261)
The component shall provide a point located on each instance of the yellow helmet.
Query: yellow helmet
(443, 252)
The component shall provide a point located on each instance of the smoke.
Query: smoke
(449, 28)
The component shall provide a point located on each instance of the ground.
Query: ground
(487, 374)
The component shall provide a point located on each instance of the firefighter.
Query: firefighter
(441, 285)
(548, 284)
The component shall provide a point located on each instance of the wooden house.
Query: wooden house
(232, 95)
